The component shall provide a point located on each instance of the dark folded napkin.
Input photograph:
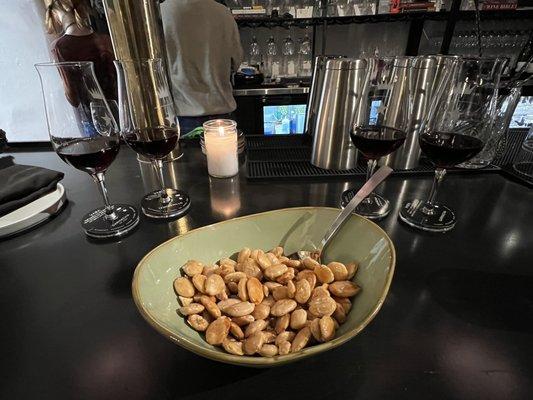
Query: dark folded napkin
(22, 184)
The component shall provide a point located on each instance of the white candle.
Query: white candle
(221, 148)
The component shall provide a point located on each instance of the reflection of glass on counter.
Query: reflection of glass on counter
(225, 196)
(284, 120)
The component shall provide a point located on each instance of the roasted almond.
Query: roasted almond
(256, 326)
(352, 269)
(286, 336)
(323, 274)
(344, 289)
(301, 339)
(234, 277)
(268, 350)
(284, 348)
(193, 267)
(199, 282)
(244, 320)
(298, 319)
(193, 308)
(233, 347)
(236, 331)
(276, 270)
(228, 261)
(242, 292)
(309, 263)
(244, 254)
(277, 251)
(214, 284)
(255, 290)
(339, 314)
(210, 269)
(197, 322)
(303, 291)
(282, 307)
(185, 301)
(314, 327)
(210, 306)
(184, 287)
(217, 331)
(339, 270)
(273, 259)
(280, 292)
(261, 311)
(240, 309)
(225, 303)
(327, 328)
(263, 261)
(282, 323)
(291, 289)
(323, 305)
(287, 276)
(307, 275)
(253, 343)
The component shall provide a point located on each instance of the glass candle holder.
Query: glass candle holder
(221, 148)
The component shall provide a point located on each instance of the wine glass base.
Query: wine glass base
(153, 207)
(441, 219)
(373, 207)
(96, 225)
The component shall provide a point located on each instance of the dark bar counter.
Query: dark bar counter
(457, 322)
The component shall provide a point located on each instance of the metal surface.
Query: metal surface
(271, 91)
(338, 99)
(456, 323)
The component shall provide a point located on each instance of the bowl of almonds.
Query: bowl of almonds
(235, 291)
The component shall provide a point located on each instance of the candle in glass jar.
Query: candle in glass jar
(221, 148)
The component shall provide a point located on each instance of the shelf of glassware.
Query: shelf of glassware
(362, 19)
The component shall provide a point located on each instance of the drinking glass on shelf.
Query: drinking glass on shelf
(382, 119)
(523, 161)
(455, 129)
(148, 123)
(85, 135)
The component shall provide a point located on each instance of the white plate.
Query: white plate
(33, 213)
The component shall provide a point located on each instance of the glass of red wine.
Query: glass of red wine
(149, 125)
(454, 130)
(85, 135)
(381, 121)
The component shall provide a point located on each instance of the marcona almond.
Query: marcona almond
(261, 311)
(193, 267)
(345, 303)
(269, 301)
(243, 254)
(309, 263)
(320, 291)
(184, 287)
(309, 276)
(273, 259)
(242, 292)
(284, 348)
(339, 270)
(256, 326)
(233, 347)
(224, 270)
(225, 303)
(197, 322)
(253, 343)
(244, 320)
(314, 327)
(287, 276)
(268, 350)
(282, 323)
(210, 306)
(282, 307)
(208, 317)
(286, 336)
(217, 331)
(277, 251)
(269, 336)
(255, 290)
(339, 314)
(352, 269)
(185, 301)
(193, 308)
(344, 289)
(263, 261)
(303, 291)
(280, 292)
(327, 327)
(236, 331)
(222, 295)
(199, 282)
(272, 285)
(234, 277)
(301, 339)
(228, 261)
(255, 254)
(214, 284)
(291, 289)
(232, 287)
(276, 270)
(210, 269)
(239, 309)
(324, 274)
(266, 292)
(323, 305)
(198, 296)
(251, 269)
(298, 319)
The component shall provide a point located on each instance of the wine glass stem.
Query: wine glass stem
(158, 166)
(439, 176)
(371, 166)
(109, 209)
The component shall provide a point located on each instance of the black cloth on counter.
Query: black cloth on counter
(22, 184)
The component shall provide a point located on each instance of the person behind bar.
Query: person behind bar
(203, 47)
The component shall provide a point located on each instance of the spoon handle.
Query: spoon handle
(367, 188)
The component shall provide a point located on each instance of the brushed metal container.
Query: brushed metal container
(426, 73)
(338, 101)
(136, 31)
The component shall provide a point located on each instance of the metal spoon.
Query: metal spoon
(367, 188)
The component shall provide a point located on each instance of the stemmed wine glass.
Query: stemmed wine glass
(149, 125)
(85, 135)
(455, 129)
(381, 121)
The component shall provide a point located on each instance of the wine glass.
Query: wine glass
(148, 123)
(455, 129)
(381, 121)
(85, 135)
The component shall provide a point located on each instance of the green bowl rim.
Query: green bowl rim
(261, 361)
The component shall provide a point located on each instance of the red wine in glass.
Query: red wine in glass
(91, 155)
(376, 141)
(153, 143)
(447, 149)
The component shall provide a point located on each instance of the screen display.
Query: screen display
(373, 119)
(284, 120)
(523, 114)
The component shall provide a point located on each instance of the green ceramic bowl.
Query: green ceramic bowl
(294, 229)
